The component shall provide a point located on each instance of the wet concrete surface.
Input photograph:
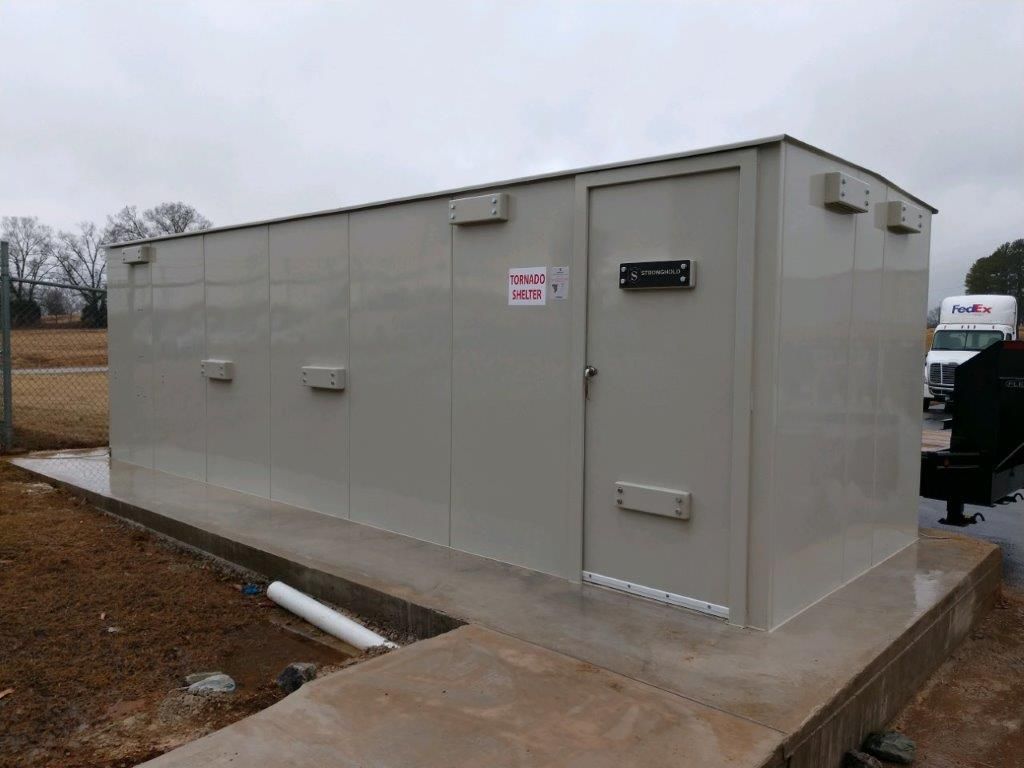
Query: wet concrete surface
(1003, 525)
(816, 682)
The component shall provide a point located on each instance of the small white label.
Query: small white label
(559, 280)
(527, 286)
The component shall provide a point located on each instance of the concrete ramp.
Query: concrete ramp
(474, 698)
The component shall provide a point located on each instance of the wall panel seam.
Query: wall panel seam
(780, 269)
(451, 378)
(849, 386)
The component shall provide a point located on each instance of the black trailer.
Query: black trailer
(984, 464)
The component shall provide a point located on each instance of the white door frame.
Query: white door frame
(739, 514)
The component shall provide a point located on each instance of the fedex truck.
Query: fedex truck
(967, 325)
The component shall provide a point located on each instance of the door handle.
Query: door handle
(589, 372)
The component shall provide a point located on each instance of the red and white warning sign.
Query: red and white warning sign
(527, 286)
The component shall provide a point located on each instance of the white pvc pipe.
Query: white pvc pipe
(327, 619)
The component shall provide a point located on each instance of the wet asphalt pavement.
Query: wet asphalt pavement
(1003, 525)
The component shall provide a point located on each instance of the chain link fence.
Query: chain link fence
(53, 364)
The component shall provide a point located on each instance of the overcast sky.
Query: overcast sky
(252, 109)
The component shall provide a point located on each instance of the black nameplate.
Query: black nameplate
(639, 275)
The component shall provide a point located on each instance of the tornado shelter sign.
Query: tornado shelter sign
(527, 286)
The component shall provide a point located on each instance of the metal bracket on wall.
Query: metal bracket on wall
(845, 194)
(904, 218)
(665, 502)
(319, 377)
(218, 370)
(137, 254)
(482, 209)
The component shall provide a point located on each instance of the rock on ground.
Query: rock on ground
(891, 746)
(294, 675)
(212, 685)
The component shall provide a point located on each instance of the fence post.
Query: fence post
(7, 425)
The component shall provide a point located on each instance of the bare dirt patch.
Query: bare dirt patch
(970, 714)
(101, 621)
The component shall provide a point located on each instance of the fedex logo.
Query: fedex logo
(974, 309)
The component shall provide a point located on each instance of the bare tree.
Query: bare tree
(125, 225)
(81, 257)
(172, 218)
(55, 301)
(933, 316)
(31, 251)
(163, 219)
(83, 263)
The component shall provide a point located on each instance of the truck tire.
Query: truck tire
(927, 403)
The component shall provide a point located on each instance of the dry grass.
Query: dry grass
(58, 347)
(60, 410)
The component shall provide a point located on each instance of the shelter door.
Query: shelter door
(659, 383)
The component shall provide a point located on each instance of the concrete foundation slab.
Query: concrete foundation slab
(818, 683)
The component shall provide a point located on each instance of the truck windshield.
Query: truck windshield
(968, 341)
